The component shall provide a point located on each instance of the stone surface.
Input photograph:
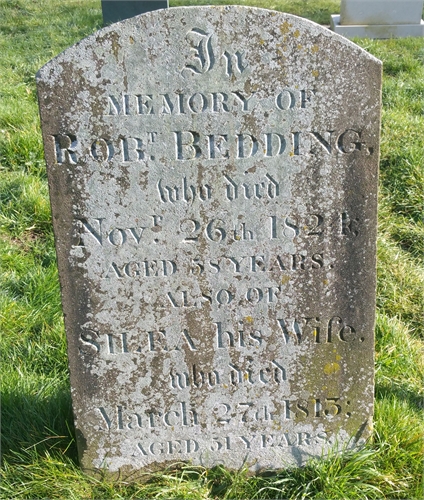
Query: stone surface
(117, 10)
(213, 180)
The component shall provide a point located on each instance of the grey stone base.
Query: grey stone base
(375, 30)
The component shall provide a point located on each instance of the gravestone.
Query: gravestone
(379, 18)
(117, 10)
(213, 181)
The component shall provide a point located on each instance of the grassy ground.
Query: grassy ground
(38, 449)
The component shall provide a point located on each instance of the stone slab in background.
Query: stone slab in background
(213, 181)
(117, 10)
(379, 18)
(380, 12)
(375, 31)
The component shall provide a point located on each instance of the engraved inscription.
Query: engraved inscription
(183, 415)
(226, 264)
(141, 269)
(245, 264)
(268, 188)
(202, 58)
(201, 50)
(98, 231)
(234, 62)
(65, 147)
(234, 375)
(184, 192)
(300, 330)
(180, 103)
(190, 144)
(349, 226)
(115, 236)
(321, 330)
(177, 446)
(121, 418)
(221, 444)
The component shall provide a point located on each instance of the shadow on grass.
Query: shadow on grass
(400, 392)
(32, 420)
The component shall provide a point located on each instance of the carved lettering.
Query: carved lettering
(185, 192)
(235, 374)
(317, 330)
(157, 448)
(349, 226)
(350, 141)
(123, 418)
(202, 51)
(132, 149)
(234, 63)
(98, 233)
(178, 103)
(246, 264)
(226, 338)
(142, 269)
(88, 338)
(289, 227)
(269, 188)
(102, 150)
(220, 444)
(159, 341)
(190, 145)
(65, 147)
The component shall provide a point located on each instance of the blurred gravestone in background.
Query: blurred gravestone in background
(117, 10)
(379, 18)
(213, 180)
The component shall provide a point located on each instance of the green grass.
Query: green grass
(39, 458)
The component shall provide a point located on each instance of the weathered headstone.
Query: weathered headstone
(213, 180)
(117, 10)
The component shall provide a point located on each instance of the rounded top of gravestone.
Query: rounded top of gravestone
(236, 20)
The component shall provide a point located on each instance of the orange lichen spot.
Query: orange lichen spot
(285, 279)
(296, 34)
(315, 73)
(314, 49)
(131, 40)
(248, 319)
